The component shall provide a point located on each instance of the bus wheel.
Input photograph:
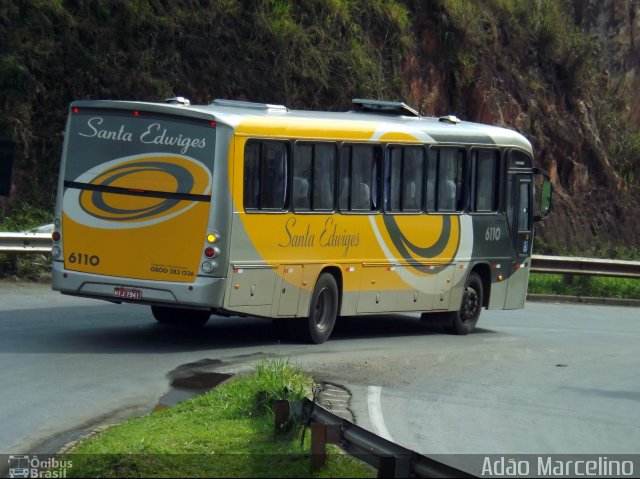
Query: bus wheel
(179, 316)
(323, 311)
(464, 320)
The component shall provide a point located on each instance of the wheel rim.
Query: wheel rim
(470, 305)
(321, 309)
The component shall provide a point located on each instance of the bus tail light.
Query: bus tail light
(56, 236)
(207, 267)
(212, 250)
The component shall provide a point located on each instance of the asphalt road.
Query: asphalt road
(552, 378)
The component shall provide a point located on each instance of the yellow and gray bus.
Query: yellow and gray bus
(242, 208)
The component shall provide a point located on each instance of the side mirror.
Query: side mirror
(546, 189)
(7, 152)
(545, 198)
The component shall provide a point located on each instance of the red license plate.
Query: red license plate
(128, 293)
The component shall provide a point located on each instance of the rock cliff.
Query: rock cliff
(562, 72)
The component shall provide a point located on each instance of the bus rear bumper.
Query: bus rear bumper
(203, 293)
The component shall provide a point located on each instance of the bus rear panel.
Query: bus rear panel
(134, 204)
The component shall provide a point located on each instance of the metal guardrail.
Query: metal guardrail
(390, 459)
(17, 243)
(585, 266)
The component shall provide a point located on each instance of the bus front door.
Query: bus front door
(520, 217)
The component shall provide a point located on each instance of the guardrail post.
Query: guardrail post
(394, 466)
(387, 466)
(281, 414)
(321, 434)
(318, 446)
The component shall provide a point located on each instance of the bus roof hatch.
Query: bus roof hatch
(383, 106)
(248, 104)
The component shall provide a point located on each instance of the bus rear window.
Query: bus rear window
(116, 148)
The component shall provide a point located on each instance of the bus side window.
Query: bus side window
(405, 178)
(445, 188)
(359, 178)
(252, 175)
(485, 181)
(313, 176)
(300, 196)
(265, 175)
(361, 167)
(413, 174)
(460, 181)
(300, 193)
(274, 175)
(344, 194)
(344, 178)
(324, 168)
(432, 172)
(361, 196)
(375, 180)
(447, 180)
(395, 178)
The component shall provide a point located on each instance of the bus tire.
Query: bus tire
(465, 319)
(180, 317)
(323, 311)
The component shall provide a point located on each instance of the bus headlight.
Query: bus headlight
(56, 251)
(207, 267)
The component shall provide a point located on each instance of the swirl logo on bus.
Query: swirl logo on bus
(419, 239)
(163, 173)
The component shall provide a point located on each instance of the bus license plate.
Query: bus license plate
(128, 293)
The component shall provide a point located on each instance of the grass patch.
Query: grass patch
(594, 286)
(228, 432)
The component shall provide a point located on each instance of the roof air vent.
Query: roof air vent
(178, 100)
(248, 104)
(385, 107)
(449, 119)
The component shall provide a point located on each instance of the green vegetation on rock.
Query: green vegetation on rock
(531, 66)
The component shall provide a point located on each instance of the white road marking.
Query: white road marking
(375, 413)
